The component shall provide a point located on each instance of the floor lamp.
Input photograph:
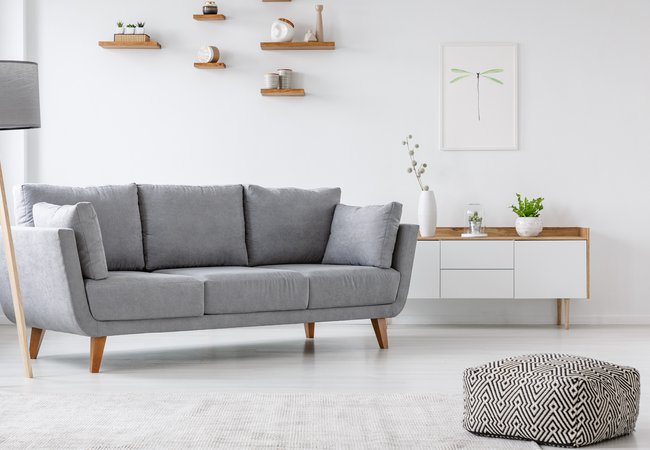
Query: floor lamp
(19, 109)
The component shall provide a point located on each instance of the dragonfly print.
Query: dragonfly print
(479, 75)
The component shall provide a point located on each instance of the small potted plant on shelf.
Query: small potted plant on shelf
(140, 28)
(120, 27)
(528, 224)
(130, 29)
(475, 223)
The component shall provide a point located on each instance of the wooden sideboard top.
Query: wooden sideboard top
(509, 234)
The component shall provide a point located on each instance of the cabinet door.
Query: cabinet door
(550, 269)
(425, 278)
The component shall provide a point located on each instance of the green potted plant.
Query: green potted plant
(140, 28)
(528, 223)
(120, 27)
(130, 29)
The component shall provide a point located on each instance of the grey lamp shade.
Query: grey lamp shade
(19, 104)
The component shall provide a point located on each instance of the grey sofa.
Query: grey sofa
(196, 257)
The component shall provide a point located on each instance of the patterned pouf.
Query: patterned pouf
(553, 399)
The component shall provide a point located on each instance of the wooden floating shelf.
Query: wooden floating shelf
(282, 92)
(209, 17)
(217, 65)
(149, 45)
(297, 45)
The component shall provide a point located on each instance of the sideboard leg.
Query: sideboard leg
(566, 313)
(558, 304)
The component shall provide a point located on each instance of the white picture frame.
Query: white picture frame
(478, 96)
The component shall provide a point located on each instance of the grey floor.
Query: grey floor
(343, 358)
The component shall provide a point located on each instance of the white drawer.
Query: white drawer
(476, 255)
(476, 284)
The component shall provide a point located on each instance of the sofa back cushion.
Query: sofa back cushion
(192, 226)
(288, 225)
(117, 212)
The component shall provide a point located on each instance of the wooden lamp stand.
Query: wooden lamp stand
(16, 295)
(19, 110)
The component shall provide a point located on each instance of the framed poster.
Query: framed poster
(478, 96)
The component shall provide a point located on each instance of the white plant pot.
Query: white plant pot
(139, 30)
(528, 226)
(427, 213)
(129, 30)
(119, 30)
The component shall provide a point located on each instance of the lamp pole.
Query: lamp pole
(19, 109)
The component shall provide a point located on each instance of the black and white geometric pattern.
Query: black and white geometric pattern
(552, 399)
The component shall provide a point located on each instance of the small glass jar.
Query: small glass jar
(474, 221)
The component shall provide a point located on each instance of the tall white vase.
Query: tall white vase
(427, 213)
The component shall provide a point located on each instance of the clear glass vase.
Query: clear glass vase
(474, 220)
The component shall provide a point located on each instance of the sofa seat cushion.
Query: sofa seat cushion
(288, 225)
(192, 226)
(336, 286)
(117, 212)
(142, 295)
(232, 290)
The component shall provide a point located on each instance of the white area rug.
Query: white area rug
(238, 421)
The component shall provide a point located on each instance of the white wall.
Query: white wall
(149, 116)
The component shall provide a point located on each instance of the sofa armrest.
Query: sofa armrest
(49, 271)
(403, 257)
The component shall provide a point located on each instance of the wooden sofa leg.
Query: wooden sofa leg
(309, 329)
(35, 342)
(96, 352)
(381, 332)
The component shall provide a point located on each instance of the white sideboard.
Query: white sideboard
(554, 265)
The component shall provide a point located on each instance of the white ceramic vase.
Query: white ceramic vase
(528, 226)
(119, 30)
(427, 213)
(129, 30)
(139, 30)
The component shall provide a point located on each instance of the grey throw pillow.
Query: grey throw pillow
(363, 236)
(82, 219)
